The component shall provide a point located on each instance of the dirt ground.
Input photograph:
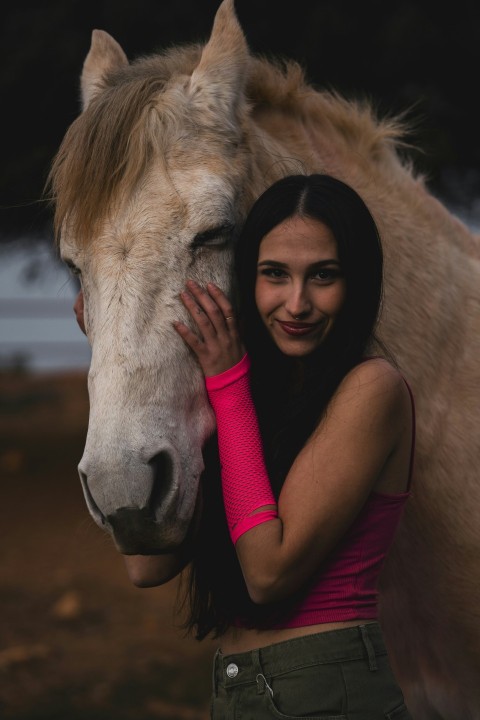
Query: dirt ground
(77, 640)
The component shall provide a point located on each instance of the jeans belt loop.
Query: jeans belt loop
(372, 660)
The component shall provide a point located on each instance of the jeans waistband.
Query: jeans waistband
(353, 643)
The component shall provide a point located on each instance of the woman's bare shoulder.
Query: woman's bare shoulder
(376, 370)
(379, 384)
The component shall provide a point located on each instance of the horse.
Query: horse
(151, 185)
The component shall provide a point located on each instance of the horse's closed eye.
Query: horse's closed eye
(214, 237)
(73, 268)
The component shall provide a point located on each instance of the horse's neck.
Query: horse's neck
(277, 153)
(367, 158)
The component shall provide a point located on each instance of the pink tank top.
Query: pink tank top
(345, 587)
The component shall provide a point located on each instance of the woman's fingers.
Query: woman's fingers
(192, 340)
(199, 315)
(214, 340)
(210, 304)
(223, 304)
(78, 309)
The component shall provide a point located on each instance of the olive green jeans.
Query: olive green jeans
(335, 675)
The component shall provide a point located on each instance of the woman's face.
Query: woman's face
(300, 288)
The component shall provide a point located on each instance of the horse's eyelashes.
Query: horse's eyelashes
(214, 237)
(73, 268)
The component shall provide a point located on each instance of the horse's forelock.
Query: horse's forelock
(109, 146)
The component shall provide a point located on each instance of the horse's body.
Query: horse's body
(166, 158)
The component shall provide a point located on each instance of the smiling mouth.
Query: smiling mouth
(297, 329)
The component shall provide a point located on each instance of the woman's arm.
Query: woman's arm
(330, 480)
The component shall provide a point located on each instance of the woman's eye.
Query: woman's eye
(326, 274)
(274, 273)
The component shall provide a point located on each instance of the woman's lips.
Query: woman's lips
(297, 329)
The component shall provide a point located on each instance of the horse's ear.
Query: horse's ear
(105, 55)
(217, 83)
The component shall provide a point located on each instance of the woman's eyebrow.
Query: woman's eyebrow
(319, 263)
(328, 261)
(276, 263)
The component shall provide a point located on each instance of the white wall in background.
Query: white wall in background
(37, 324)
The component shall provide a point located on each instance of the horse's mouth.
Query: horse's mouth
(136, 532)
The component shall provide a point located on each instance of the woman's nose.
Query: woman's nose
(297, 303)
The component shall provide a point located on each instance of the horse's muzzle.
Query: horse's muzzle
(136, 532)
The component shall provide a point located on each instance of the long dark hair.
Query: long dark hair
(287, 417)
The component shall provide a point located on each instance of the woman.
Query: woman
(315, 438)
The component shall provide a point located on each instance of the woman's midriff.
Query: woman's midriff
(238, 640)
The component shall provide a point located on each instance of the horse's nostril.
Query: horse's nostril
(95, 511)
(162, 465)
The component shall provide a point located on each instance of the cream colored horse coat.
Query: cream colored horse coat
(152, 182)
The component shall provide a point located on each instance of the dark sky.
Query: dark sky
(422, 57)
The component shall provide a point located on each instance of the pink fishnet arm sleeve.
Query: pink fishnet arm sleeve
(245, 483)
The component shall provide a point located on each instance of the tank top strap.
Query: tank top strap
(414, 423)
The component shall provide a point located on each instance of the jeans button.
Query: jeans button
(232, 670)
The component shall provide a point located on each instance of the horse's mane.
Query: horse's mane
(112, 142)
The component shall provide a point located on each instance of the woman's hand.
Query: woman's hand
(217, 345)
(78, 310)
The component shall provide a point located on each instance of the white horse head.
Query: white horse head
(153, 181)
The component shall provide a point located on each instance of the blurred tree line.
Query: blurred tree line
(419, 57)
